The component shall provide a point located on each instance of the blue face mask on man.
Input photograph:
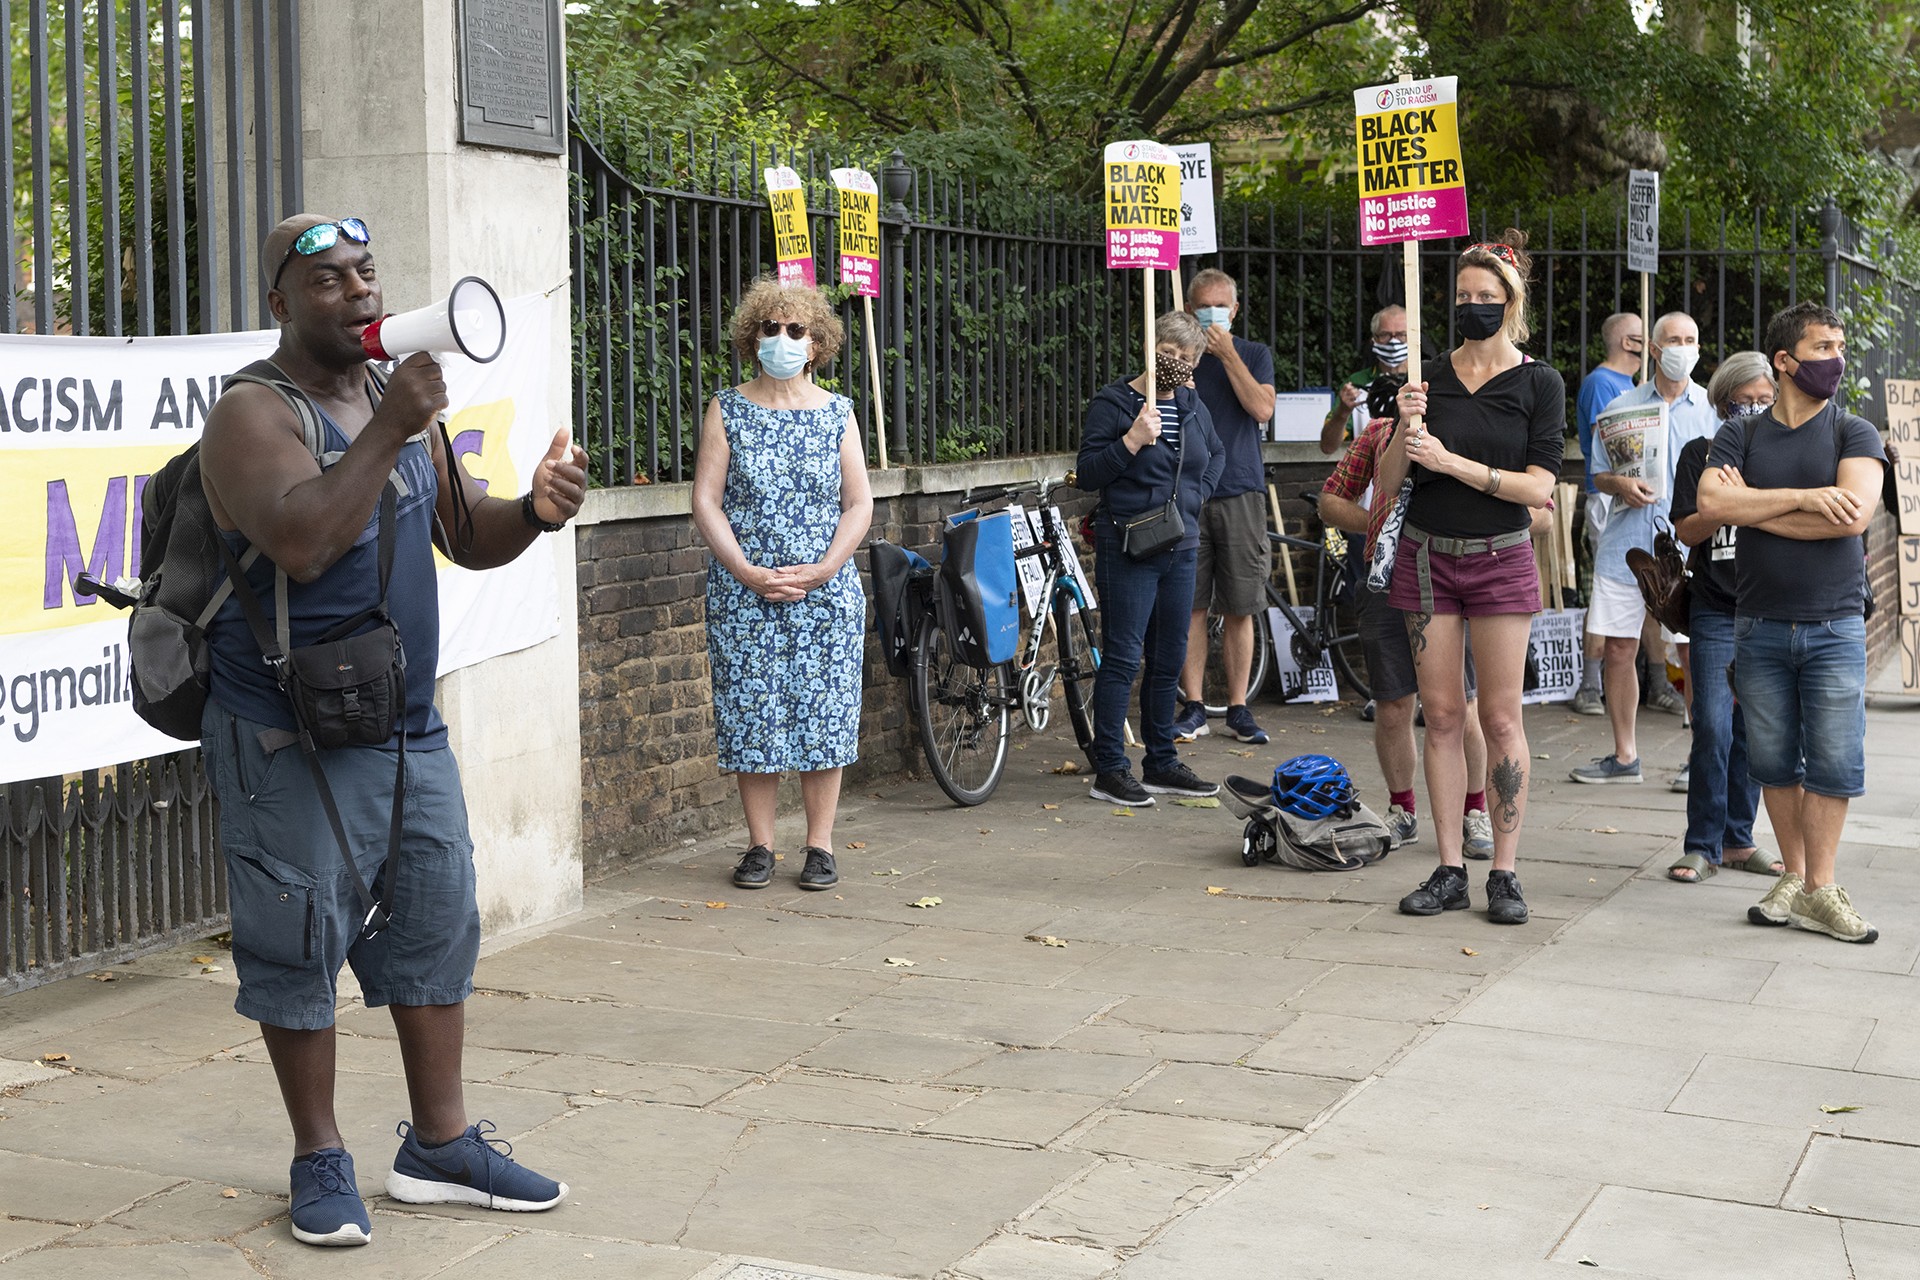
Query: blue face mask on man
(783, 357)
(1210, 317)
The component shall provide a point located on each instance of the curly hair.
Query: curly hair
(768, 298)
(1508, 259)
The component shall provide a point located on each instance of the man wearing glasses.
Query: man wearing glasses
(315, 525)
(1348, 416)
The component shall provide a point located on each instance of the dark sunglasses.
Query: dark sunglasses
(771, 329)
(318, 239)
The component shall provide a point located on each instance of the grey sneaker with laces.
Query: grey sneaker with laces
(1588, 702)
(1776, 908)
(1477, 833)
(1403, 826)
(1828, 910)
(1606, 769)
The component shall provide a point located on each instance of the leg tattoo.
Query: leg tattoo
(1507, 778)
(1417, 633)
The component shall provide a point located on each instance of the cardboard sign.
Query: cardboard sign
(1199, 227)
(1411, 184)
(1033, 577)
(1908, 557)
(1297, 415)
(1903, 433)
(1909, 631)
(1143, 206)
(1554, 656)
(792, 240)
(1643, 221)
(1290, 682)
(859, 231)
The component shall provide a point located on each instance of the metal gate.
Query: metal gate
(153, 144)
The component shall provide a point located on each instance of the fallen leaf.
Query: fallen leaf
(1330, 710)
(676, 917)
(1486, 1206)
(1198, 802)
(1605, 831)
(203, 959)
(1049, 806)
(986, 831)
(228, 1193)
(105, 975)
(212, 968)
(856, 844)
(1586, 1262)
(53, 1057)
(1244, 755)
(1468, 951)
(1046, 940)
(1835, 1111)
(1123, 813)
(890, 871)
(900, 962)
(716, 906)
(779, 857)
(1215, 890)
(599, 1093)
(924, 902)
(1067, 767)
(1816, 1208)
(1312, 729)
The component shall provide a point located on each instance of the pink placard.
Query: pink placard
(1136, 248)
(796, 271)
(861, 274)
(1414, 215)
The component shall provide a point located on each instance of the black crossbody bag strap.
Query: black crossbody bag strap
(272, 642)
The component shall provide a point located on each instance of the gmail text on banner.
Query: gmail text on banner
(792, 239)
(859, 231)
(1411, 183)
(1143, 206)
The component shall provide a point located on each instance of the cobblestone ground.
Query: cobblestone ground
(1102, 1047)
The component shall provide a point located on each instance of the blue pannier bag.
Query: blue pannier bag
(981, 588)
(901, 579)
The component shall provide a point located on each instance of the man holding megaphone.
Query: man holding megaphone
(335, 485)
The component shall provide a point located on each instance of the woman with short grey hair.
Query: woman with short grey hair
(1721, 799)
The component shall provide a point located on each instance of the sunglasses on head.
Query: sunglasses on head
(318, 239)
(1504, 252)
(771, 329)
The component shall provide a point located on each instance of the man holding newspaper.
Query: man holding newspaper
(1636, 441)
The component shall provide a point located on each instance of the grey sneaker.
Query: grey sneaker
(1827, 910)
(1191, 723)
(1681, 781)
(1666, 699)
(1776, 908)
(1477, 828)
(1588, 702)
(1607, 769)
(1404, 827)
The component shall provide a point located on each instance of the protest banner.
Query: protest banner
(84, 422)
(1291, 683)
(1033, 578)
(1412, 187)
(1553, 656)
(1903, 433)
(1143, 217)
(1199, 224)
(1634, 442)
(1643, 249)
(860, 271)
(792, 238)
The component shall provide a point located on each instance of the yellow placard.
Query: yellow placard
(792, 238)
(1142, 181)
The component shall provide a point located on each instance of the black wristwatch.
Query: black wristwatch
(532, 517)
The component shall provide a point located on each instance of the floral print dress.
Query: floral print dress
(786, 677)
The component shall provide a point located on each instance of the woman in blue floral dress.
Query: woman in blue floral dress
(780, 495)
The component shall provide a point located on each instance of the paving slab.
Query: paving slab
(895, 1055)
(1666, 972)
(1119, 1204)
(1854, 1179)
(530, 1253)
(1889, 1106)
(1211, 1146)
(817, 1098)
(1107, 1036)
(67, 1191)
(991, 957)
(188, 1211)
(1018, 1257)
(1333, 1044)
(1547, 1067)
(743, 929)
(1033, 1119)
(1230, 1093)
(1878, 1251)
(200, 1261)
(976, 1010)
(1386, 992)
(17, 1235)
(576, 1075)
(645, 1035)
(1192, 975)
(1702, 1239)
(1425, 950)
(1892, 1050)
(153, 1038)
(1058, 1069)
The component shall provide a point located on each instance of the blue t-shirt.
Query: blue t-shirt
(1238, 430)
(1689, 418)
(241, 681)
(1797, 579)
(1599, 390)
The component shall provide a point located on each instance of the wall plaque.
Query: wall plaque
(510, 89)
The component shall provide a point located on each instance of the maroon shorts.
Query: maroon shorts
(1473, 577)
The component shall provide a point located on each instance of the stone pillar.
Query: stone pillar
(379, 95)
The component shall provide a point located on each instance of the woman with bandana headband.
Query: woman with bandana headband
(1482, 439)
(1137, 453)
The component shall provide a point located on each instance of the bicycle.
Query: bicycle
(963, 713)
(1334, 627)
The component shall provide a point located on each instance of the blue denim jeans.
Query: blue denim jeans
(1721, 798)
(1144, 610)
(1803, 690)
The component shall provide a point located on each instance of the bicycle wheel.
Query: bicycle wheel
(1213, 678)
(1079, 660)
(962, 715)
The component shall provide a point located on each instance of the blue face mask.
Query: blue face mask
(1209, 317)
(783, 357)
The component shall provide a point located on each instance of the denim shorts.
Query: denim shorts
(1803, 693)
(296, 914)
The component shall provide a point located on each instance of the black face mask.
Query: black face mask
(1478, 321)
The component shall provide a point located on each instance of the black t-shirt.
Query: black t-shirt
(1518, 419)
(1793, 579)
(1712, 561)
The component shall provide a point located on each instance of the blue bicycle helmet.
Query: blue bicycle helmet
(1313, 787)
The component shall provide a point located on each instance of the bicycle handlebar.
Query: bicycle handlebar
(1042, 488)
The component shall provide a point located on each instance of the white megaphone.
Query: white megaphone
(470, 321)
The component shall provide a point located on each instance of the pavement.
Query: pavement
(1043, 1038)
